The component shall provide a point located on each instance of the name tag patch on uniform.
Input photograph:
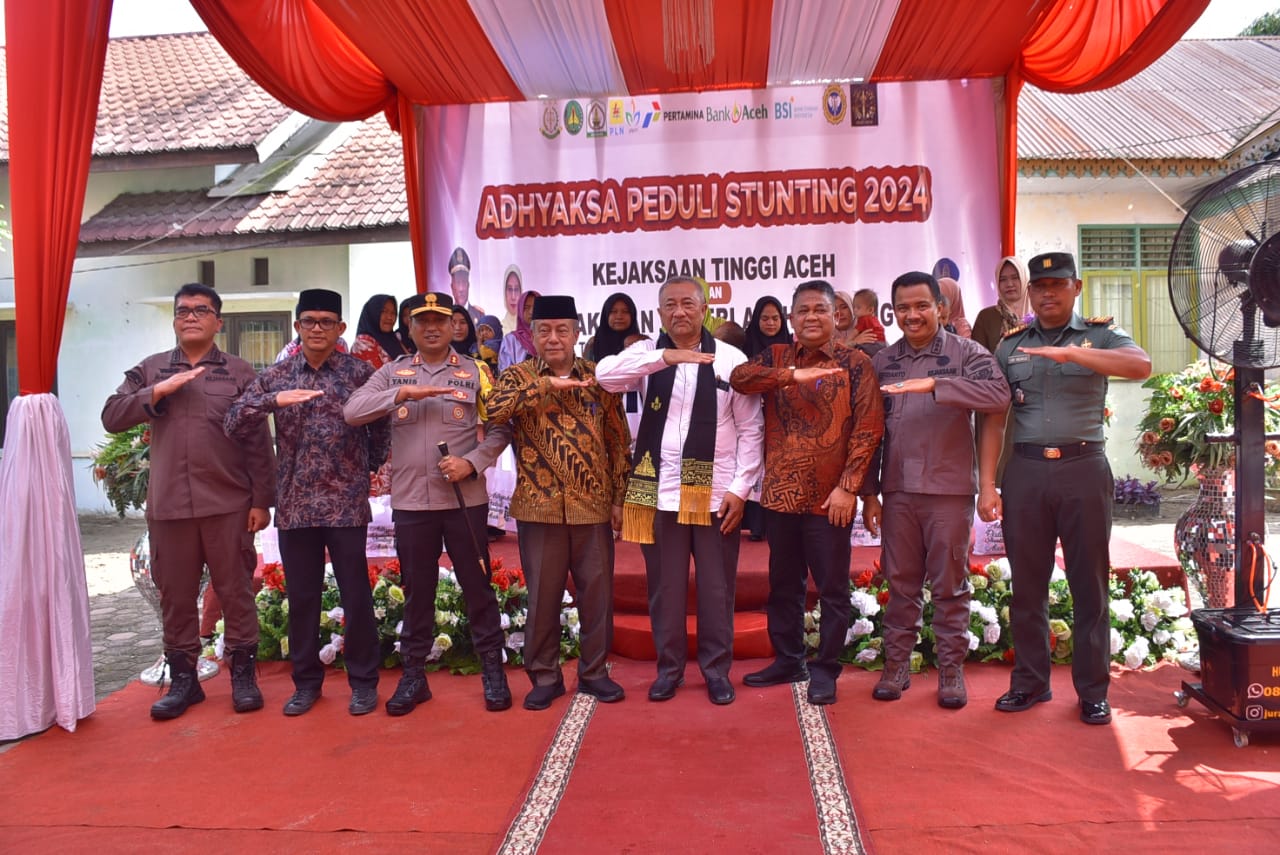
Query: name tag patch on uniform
(1015, 358)
(941, 372)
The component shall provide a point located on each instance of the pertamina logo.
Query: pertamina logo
(573, 117)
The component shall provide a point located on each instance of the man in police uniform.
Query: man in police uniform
(432, 396)
(460, 282)
(1057, 484)
(933, 381)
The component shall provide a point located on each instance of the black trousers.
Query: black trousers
(419, 537)
(1046, 500)
(800, 544)
(666, 562)
(302, 554)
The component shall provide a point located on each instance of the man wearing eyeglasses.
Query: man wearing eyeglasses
(323, 495)
(206, 496)
(823, 418)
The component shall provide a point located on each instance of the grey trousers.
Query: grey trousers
(666, 561)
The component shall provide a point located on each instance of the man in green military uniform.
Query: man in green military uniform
(1058, 484)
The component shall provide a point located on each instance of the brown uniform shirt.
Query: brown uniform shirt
(816, 435)
(196, 470)
(571, 447)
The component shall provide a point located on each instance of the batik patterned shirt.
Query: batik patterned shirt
(322, 463)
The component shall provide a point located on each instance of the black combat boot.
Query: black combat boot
(412, 688)
(497, 695)
(245, 696)
(184, 687)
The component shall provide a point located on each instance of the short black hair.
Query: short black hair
(822, 286)
(916, 277)
(195, 289)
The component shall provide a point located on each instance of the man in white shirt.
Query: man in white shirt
(698, 450)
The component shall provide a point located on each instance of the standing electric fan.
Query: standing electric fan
(1224, 283)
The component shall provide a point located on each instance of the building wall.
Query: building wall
(1048, 222)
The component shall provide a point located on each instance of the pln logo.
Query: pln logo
(637, 118)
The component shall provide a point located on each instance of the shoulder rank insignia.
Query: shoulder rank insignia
(1100, 320)
(1019, 328)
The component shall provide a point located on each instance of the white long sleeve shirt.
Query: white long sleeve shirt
(739, 454)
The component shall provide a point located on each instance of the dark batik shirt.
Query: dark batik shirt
(322, 463)
(816, 435)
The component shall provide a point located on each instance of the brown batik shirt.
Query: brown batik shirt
(571, 447)
(816, 435)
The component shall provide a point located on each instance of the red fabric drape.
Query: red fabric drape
(411, 142)
(740, 36)
(1083, 45)
(432, 51)
(55, 55)
(297, 54)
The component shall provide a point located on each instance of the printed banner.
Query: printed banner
(754, 191)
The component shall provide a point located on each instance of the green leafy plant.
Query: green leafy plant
(1184, 410)
(123, 466)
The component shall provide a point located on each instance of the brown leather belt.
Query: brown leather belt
(1056, 452)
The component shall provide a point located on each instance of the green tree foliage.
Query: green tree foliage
(1266, 25)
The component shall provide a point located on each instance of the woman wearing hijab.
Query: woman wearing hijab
(464, 333)
(376, 341)
(402, 331)
(619, 328)
(518, 346)
(767, 327)
(1012, 304)
(846, 329)
(955, 306)
(512, 288)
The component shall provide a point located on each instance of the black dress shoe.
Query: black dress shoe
(301, 701)
(542, 696)
(1012, 701)
(363, 701)
(777, 674)
(1095, 712)
(664, 688)
(822, 690)
(720, 690)
(603, 689)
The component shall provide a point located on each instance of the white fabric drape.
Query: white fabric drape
(46, 655)
(825, 41)
(553, 46)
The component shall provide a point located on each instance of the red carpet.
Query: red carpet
(975, 780)
(684, 776)
(689, 776)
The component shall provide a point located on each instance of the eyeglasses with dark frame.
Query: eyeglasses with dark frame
(201, 312)
(325, 324)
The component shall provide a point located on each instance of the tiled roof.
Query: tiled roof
(359, 186)
(1198, 101)
(175, 93)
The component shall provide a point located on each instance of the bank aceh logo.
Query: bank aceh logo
(735, 113)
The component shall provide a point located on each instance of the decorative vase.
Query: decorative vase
(1205, 537)
(140, 569)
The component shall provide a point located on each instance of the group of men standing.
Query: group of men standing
(823, 422)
